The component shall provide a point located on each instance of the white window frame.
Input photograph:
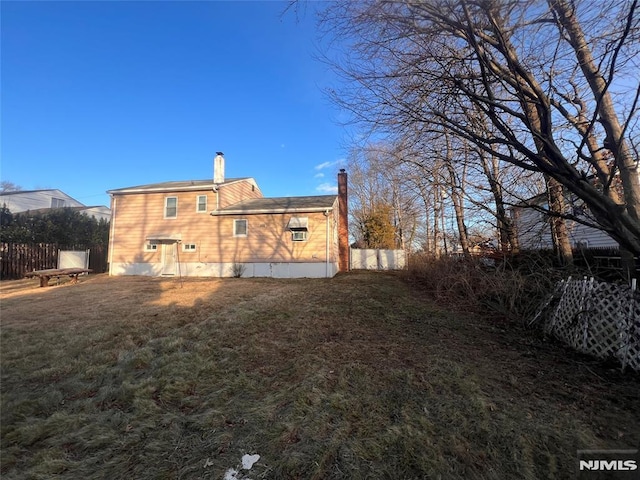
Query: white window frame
(189, 247)
(166, 205)
(198, 204)
(582, 243)
(57, 202)
(235, 227)
(301, 233)
(150, 247)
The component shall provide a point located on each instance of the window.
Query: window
(201, 204)
(150, 247)
(240, 228)
(188, 247)
(299, 235)
(170, 207)
(299, 227)
(57, 203)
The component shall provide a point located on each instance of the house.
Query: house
(43, 200)
(225, 227)
(534, 229)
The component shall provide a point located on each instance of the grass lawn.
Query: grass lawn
(352, 377)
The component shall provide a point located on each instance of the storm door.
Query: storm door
(169, 258)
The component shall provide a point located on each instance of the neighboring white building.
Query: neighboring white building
(534, 229)
(99, 212)
(32, 200)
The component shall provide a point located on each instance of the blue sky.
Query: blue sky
(111, 94)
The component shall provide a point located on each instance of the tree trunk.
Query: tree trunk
(456, 197)
(425, 200)
(506, 230)
(607, 116)
(398, 216)
(615, 141)
(559, 232)
(437, 207)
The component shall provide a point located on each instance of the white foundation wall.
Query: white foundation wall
(274, 270)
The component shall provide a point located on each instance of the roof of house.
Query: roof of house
(19, 192)
(317, 203)
(184, 185)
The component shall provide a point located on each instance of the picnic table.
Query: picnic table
(46, 275)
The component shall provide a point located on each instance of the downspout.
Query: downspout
(178, 258)
(112, 229)
(218, 176)
(216, 190)
(326, 253)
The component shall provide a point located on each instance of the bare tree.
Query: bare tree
(504, 224)
(529, 69)
(380, 197)
(7, 186)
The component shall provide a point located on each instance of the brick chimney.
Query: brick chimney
(218, 168)
(343, 223)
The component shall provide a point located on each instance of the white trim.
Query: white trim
(169, 265)
(150, 246)
(235, 229)
(206, 203)
(112, 228)
(258, 211)
(582, 243)
(59, 202)
(164, 213)
(186, 247)
(302, 234)
(326, 250)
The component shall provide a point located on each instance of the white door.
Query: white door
(169, 258)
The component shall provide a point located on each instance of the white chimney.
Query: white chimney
(218, 168)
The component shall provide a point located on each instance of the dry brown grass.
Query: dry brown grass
(513, 287)
(353, 377)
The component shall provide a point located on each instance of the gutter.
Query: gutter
(326, 253)
(270, 210)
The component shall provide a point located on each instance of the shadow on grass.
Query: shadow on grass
(351, 377)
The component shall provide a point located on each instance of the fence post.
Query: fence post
(626, 342)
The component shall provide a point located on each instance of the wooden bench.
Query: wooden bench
(48, 274)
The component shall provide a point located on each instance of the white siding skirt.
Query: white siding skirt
(196, 269)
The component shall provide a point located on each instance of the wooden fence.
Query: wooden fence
(16, 259)
(597, 318)
(604, 263)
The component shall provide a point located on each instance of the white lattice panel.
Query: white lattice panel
(600, 319)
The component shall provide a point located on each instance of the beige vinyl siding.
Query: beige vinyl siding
(238, 191)
(268, 239)
(333, 235)
(141, 215)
